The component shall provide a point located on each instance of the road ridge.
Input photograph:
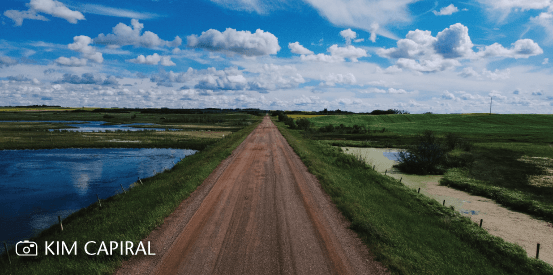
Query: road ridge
(259, 212)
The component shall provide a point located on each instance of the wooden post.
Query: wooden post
(443, 204)
(374, 167)
(419, 191)
(538, 251)
(99, 200)
(122, 188)
(400, 179)
(61, 225)
(481, 222)
(6, 248)
(385, 172)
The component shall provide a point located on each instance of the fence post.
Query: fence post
(61, 225)
(419, 190)
(99, 200)
(538, 251)
(443, 204)
(481, 222)
(7, 253)
(400, 179)
(374, 166)
(385, 172)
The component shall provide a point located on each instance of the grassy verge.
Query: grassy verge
(125, 217)
(408, 232)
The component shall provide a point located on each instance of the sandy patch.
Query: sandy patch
(513, 227)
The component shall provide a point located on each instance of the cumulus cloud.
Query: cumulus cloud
(298, 49)
(497, 74)
(332, 79)
(123, 35)
(522, 48)
(348, 35)
(545, 61)
(449, 10)
(240, 42)
(6, 61)
(153, 59)
(71, 62)
(337, 54)
(51, 7)
(273, 77)
(421, 51)
(381, 91)
(448, 96)
(87, 78)
(81, 44)
(390, 70)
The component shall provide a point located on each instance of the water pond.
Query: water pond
(37, 186)
(98, 126)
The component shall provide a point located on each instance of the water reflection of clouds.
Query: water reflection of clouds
(82, 174)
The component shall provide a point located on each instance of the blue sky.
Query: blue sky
(419, 56)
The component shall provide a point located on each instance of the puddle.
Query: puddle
(512, 226)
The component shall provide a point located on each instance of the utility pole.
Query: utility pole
(491, 99)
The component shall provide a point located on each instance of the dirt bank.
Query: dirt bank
(259, 212)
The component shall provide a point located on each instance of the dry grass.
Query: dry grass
(546, 164)
(196, 134)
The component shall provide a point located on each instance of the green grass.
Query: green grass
(124, 217)
(514, 128)
(408, 232)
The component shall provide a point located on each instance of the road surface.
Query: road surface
(259, 212)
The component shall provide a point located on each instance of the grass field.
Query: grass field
(304, 116)
(194, 131)
(408, 232)
(125, 217)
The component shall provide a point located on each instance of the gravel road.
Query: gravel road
(259, 212)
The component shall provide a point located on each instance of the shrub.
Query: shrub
(303, 123)
(428, 157)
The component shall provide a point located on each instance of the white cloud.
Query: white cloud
(421, 51)
(449, 10)
(81, 44)
(272, 77)
(71, 62)
(448, 96)
(153, 59)
(359, 40)
(228, 79)
(110, 11)
(390, 70)
(332, 79)
(468, 72)
(18, 16)
(497, 74)
(348, 35)
(6, 61)
(545, 20)
(86, 78)
(337, 54)
(259, 6)
(522, 48)
(545, 61)
(371, 16)
(132, 35)
(381, 91)
(240, 42)
(51, 7)
(513, 4)
(497, 95)
(350, 52)
(298, 49)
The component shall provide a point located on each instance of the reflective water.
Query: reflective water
(97, 126)
(37, 186)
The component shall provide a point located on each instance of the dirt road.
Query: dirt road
(259, 212)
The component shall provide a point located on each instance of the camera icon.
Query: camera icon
(26, 248)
